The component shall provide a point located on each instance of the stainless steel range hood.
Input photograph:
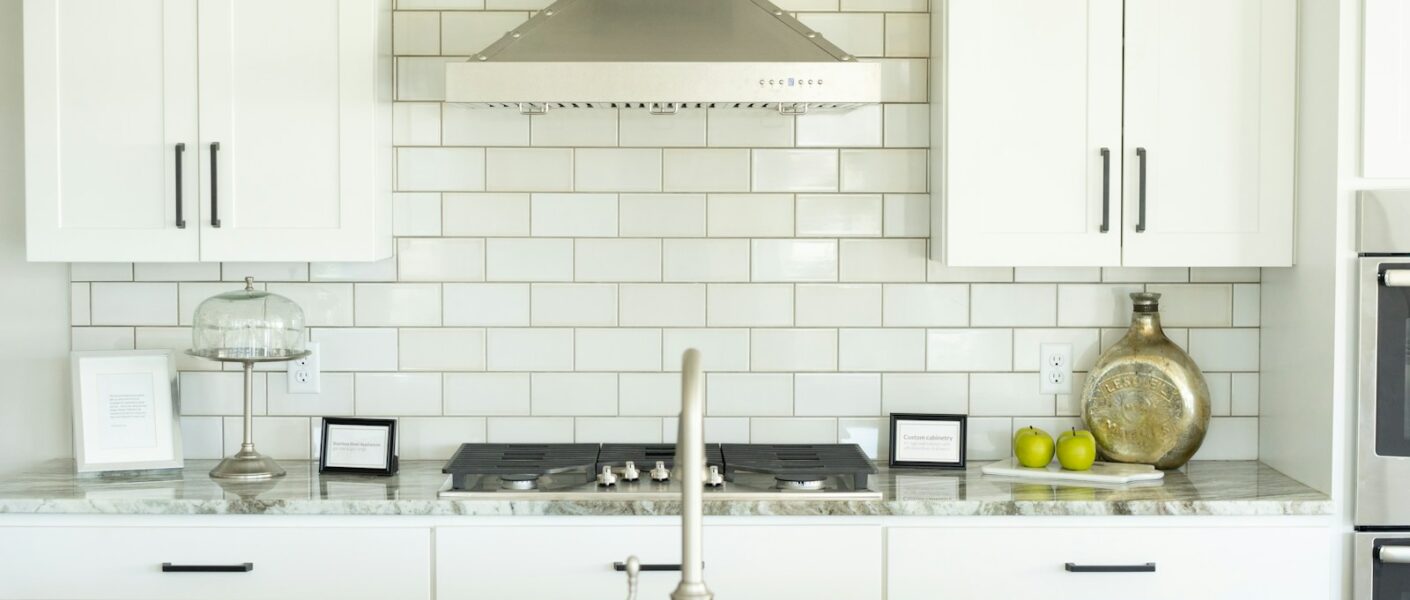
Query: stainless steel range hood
(663, 55)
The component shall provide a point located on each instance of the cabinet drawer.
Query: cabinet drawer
(743, 562)
(112, 563)
(1206, 563)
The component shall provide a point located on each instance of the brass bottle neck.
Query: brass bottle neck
(1146, 323)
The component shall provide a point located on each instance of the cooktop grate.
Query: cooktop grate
(799, 462)
(646, 455)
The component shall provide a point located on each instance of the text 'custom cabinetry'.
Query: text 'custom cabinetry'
(1115, 132)
(207, 130)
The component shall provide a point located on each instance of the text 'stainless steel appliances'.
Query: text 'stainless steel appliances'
(662, 56)
(1382, 545)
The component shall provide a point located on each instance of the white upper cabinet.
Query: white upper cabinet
(1385, 97)
(110, 129)
(1065, 145)
(1032, 132)
(278, 109)
(1209, 102)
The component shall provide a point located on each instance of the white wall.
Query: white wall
(34, 298)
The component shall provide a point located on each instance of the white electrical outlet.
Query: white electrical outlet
(1055, 368)
(304, 373)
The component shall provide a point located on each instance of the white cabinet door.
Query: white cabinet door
(110, 95)
(1210, 106)
(293, 107)
(983, 563)
(1032, 103)
(742, 562)
(1385, 97)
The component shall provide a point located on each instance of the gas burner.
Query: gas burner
(519, 482)
(809, 483)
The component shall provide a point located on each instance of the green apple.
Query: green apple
(1076, 450)
(1033, 447)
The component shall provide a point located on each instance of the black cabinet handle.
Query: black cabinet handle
(1076, 568)
(240, 568)
(180, 219)
(215, 205)
(621, 566)
(1141, 195)
(1106, 190)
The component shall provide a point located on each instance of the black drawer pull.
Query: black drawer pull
(621, 566)
(1141, 193)
(215, 203)
(240, 568)
(180, 205)
(1106, 190)
(1076, 568)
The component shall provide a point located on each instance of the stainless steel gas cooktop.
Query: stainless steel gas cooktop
(647, 472)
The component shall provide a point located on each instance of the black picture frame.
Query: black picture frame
(896, 462)
(389, 424)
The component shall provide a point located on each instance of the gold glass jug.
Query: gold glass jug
(1145, 400)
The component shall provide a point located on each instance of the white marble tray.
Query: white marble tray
(1101, 472)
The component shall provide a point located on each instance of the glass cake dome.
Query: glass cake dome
(248, 325)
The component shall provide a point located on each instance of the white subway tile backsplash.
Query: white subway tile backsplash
(934, 393)
(1194, 305)
(749, 305)
(845, 215)
(1086, 346)
(441, 259)
(618, 350)
(580, 215)
(1225, 349)
(435, 438)
(463, 125)
(581, 304)
(617, 260)
(872, 434)
(362, 349)
(191, 295)
(746, 128)
(423, 77)
(568, 394)
(906, 126)
(705, 260)
(218, 393)
(100, 271)
(578, 127)
(134, 303)
(324, 304)
(925, 305)
(528, 169)
(858, 127)
(442, 349)
(838, 305)
(1230, 438)
(102, 338)
(1013, 305)
(885, 5)
(416, 124)
(1225, 275)
(491, 214)
(881, 349)
(720, 349)
(1058, 274)
(886, 261)
(202, 438)
(649, 394)
(1082, 305)
(749, 215)
(175, 339)
(281, 438)
(793, 350)
(705, 170)
(908, 35)
(1220, 399)
(488, 394)
(80, 304)
(176, 271)
(416, 33)
(662, 304)
(485, 304)
(793, 431)
(416, 214)
(661, 215)
(529, 260)
(335, 397)
(382, 270)
(1145, 274)
(749, 395)
(397, 304)
(969, 350)
(638, 127)
(795, 170)
(1244, 395)
(837, 394)
(532, 430)
(465, 33)
(617, 170)
(794, 260)
(718, 430)
(859, 34)
(440, 169)
(397, 394)
(1247, 305)
(939, 273)
(904, 79)
(529, 349)
(999, 394)
(899, 171)
(626, 430)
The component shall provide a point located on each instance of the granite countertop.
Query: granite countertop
(1240, 488)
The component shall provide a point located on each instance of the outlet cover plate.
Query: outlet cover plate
(305, 373)
(1055, 368)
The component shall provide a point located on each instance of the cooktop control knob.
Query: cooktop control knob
(661, 473)
(630, 472)
(606, 478)
(714, 478)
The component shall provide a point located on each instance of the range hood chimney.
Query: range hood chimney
(663, 55)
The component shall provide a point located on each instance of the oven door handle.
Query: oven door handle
(1396, 278)
(1396, 555)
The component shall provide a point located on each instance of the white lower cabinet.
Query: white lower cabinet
(1223, 563)
(121, 563)
(742, 562)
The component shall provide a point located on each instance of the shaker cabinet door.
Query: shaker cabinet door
(295, 144)
(110, 130)
(1031, 162)
(1209, 118)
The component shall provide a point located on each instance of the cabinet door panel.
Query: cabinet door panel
(1032, 95)
(110, 90)
(1210, 97)
(1385, 98)
(289, 91)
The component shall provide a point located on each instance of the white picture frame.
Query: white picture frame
(126, 412)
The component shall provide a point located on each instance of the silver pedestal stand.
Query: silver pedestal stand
(247, 464)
